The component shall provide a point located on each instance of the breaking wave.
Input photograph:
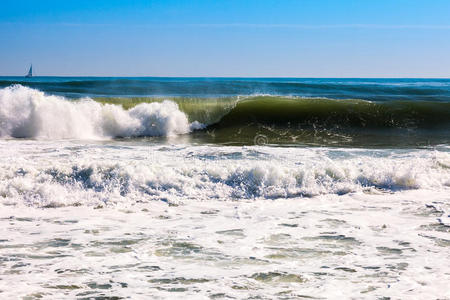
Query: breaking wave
(29, 113)
(106, 176)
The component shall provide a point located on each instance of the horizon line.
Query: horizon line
(229, 77)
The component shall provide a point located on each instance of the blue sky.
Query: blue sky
(260, 38)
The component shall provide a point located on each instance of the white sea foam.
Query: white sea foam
(112, 175)
(357, 223)
(29, 113)
(354, 246)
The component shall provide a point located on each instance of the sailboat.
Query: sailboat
(30, 72)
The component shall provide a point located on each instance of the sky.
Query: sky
(226, 38)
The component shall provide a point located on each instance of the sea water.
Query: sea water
(224, 188)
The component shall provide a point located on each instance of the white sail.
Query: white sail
(30, 72)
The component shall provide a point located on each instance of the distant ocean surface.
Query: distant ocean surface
(208, 188)
(342, 88)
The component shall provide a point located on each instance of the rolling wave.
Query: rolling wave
(29, 113)
(289, 111)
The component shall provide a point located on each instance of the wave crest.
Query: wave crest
(29, 113)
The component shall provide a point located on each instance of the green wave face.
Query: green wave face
(352, 113)
(318, 121)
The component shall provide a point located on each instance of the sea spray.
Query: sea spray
(29, 113)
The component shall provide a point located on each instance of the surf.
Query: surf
(29, 113)
(116, 173)
(240, 120)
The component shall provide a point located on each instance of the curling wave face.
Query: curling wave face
(290, 120)
(29, 113)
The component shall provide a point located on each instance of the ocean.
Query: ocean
(215, 188)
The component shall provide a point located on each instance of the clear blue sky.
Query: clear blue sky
(298, 38)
